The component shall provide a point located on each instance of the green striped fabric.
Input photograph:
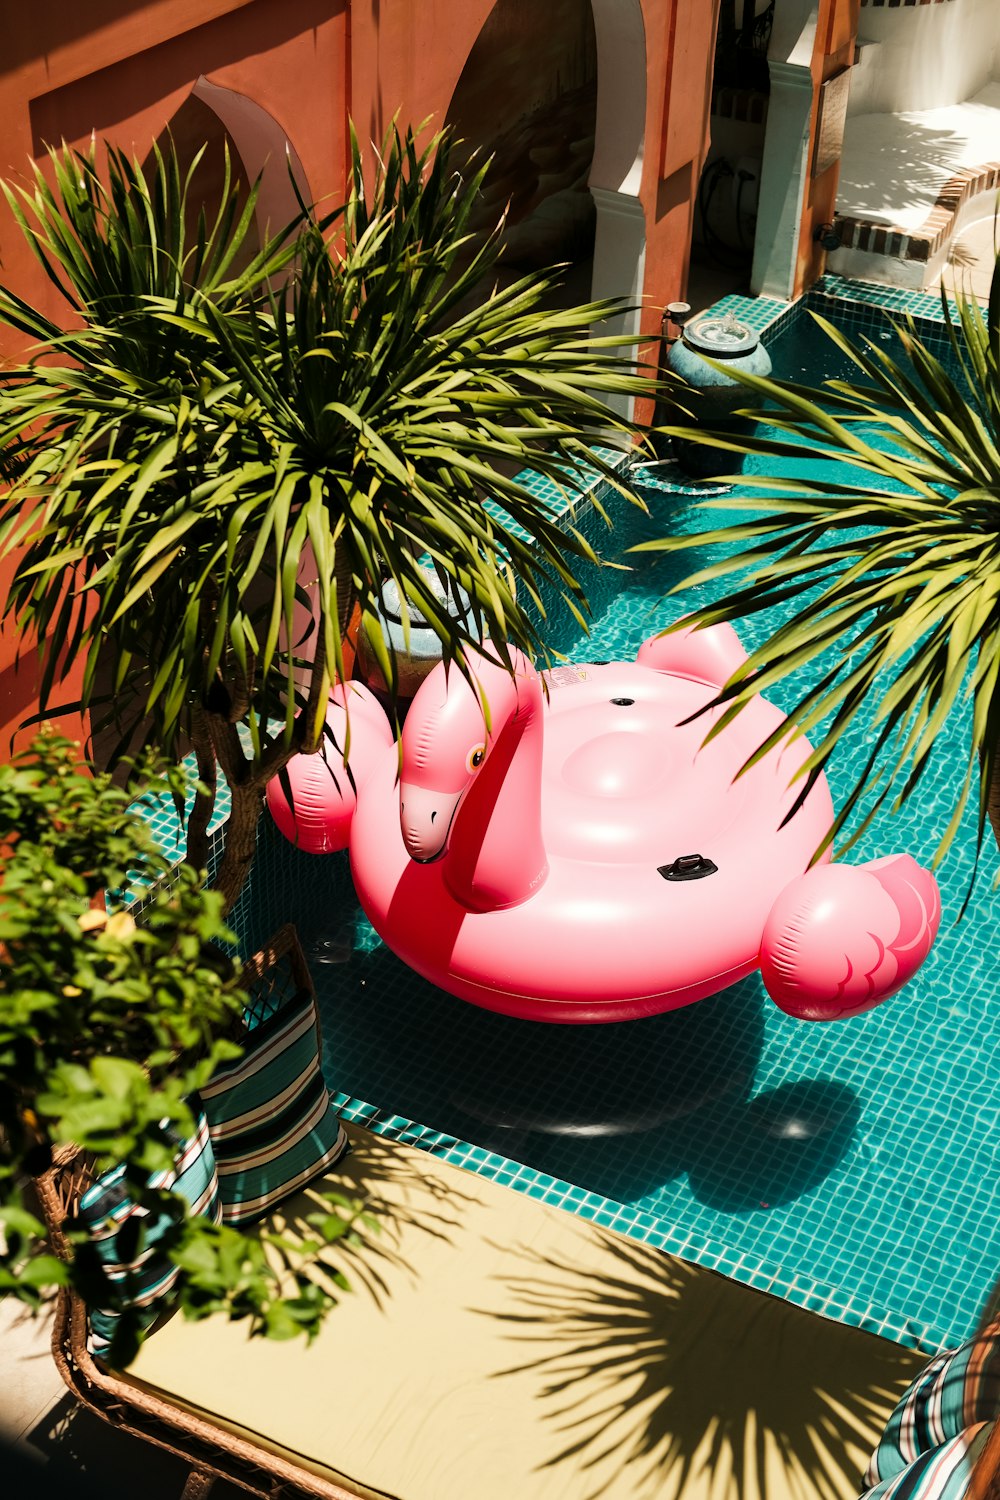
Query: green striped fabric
(930, 1441)
(943, 1473)
(272, 1124)
(144, 1276)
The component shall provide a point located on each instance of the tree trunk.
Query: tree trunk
(204, 802)
(993, 795)
(239, 840)
(247, 779)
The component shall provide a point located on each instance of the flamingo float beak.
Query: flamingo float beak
(425, 818)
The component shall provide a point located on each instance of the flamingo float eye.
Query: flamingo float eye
(475, 757)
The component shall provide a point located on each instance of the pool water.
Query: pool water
(851, 1167)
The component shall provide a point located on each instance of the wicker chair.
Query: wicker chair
(212, 1451)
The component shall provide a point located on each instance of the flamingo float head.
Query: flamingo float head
(447, 739)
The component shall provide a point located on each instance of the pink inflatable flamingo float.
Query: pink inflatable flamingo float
(588, 858)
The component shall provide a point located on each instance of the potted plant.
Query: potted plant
(207, 443)
(893, 559)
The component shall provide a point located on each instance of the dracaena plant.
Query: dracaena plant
(202, 448)
(892, 558)
(107, 1027)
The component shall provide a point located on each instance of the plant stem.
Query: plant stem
(993, 795)
(240, 839)
(204, 802)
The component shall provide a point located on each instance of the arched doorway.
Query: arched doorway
(196, 127)
(527, 97)
(557, 94)
(265, 151)
(616, 172)
(727, 203)
(219, 119)
(211, 120)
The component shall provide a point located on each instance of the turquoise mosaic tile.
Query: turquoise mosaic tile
(877, 1205)
(866, 323)
(826, 1218)
(160, 816)
(896, 299)
(765, 315)
(570, 500)
(757, 312)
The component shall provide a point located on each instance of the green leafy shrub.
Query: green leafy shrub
(107, 1026)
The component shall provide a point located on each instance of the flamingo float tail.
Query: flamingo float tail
(840, 939)
(710, 655)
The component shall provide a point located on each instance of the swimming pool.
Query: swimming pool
(851, 1167)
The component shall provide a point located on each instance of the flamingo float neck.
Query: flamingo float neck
(477, 802)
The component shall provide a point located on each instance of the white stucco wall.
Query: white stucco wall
(785, 166)
(924, 56)
(894, 165)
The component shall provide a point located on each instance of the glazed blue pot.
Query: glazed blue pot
(732, 344)
(417, 656)
(719, 396)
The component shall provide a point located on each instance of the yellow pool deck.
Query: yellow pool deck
(493, 1346)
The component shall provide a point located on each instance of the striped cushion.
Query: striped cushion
(942, 1473)
(272, 1124)
(958, 1390)
(145, 1280)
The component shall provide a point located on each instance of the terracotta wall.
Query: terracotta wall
(678, 111)
(124, 68)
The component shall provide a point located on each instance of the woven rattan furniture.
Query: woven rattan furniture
(276, 971)
(494, 1347)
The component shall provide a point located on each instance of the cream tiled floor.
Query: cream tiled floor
(972, 259)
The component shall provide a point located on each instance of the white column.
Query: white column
(620, 34)
(619, 265)
(619, 251)
(616, 170)
(785, 169)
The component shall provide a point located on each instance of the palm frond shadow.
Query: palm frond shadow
(961, 255)
(397, 1198)
(693, 1380)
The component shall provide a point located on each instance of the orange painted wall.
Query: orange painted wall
(408, 59)
(122, 68)
(681, 37)
(128, 67)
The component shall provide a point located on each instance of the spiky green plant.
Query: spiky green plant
(893, 562)
(109, 424)
(200, 435)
